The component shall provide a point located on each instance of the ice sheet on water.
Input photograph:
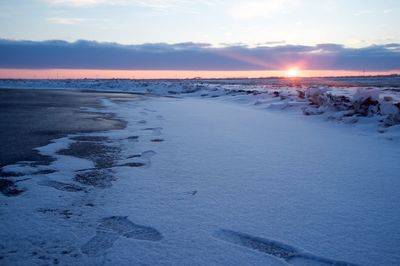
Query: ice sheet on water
(271, 175)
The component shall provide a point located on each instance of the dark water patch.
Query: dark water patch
(9, 188)
(133, 164)
(101, 178)
(133, 138)
(102, 155)
(134, 156)
(10, 174)
(90, 138)
(32, 113)
(151, 128)
(38, 159)
(45, 172)
(157, 140)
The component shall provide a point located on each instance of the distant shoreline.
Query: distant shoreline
(222, 78)
(345, 81)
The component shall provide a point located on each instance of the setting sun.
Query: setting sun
(292, 72)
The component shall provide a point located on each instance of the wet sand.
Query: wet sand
(32, 118)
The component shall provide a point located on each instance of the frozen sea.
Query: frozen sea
(211, 173)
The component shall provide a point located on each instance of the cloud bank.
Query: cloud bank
(157, 4)
(194, 56)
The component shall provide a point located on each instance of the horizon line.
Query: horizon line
(65, 74)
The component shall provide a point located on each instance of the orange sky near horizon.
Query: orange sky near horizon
(171, 74)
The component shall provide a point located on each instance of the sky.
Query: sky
(218, 36)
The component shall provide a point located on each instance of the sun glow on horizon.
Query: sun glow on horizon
(11, 73)
(292, 72)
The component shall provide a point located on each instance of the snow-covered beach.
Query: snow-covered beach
(206, 173)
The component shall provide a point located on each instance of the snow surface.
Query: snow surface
(221, 183)
(350, 100)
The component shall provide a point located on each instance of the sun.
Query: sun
(292, 72)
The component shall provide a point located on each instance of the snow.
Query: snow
(229, 182)
(338, 99)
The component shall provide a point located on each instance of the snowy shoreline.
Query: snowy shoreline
(202, 180)
(376, 109)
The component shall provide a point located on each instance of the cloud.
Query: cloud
(253, 9)
(157, 6)
(154, 4)
(270, 43)
(66, 21)
(195, 56)
(364, 12)
(76, 3)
